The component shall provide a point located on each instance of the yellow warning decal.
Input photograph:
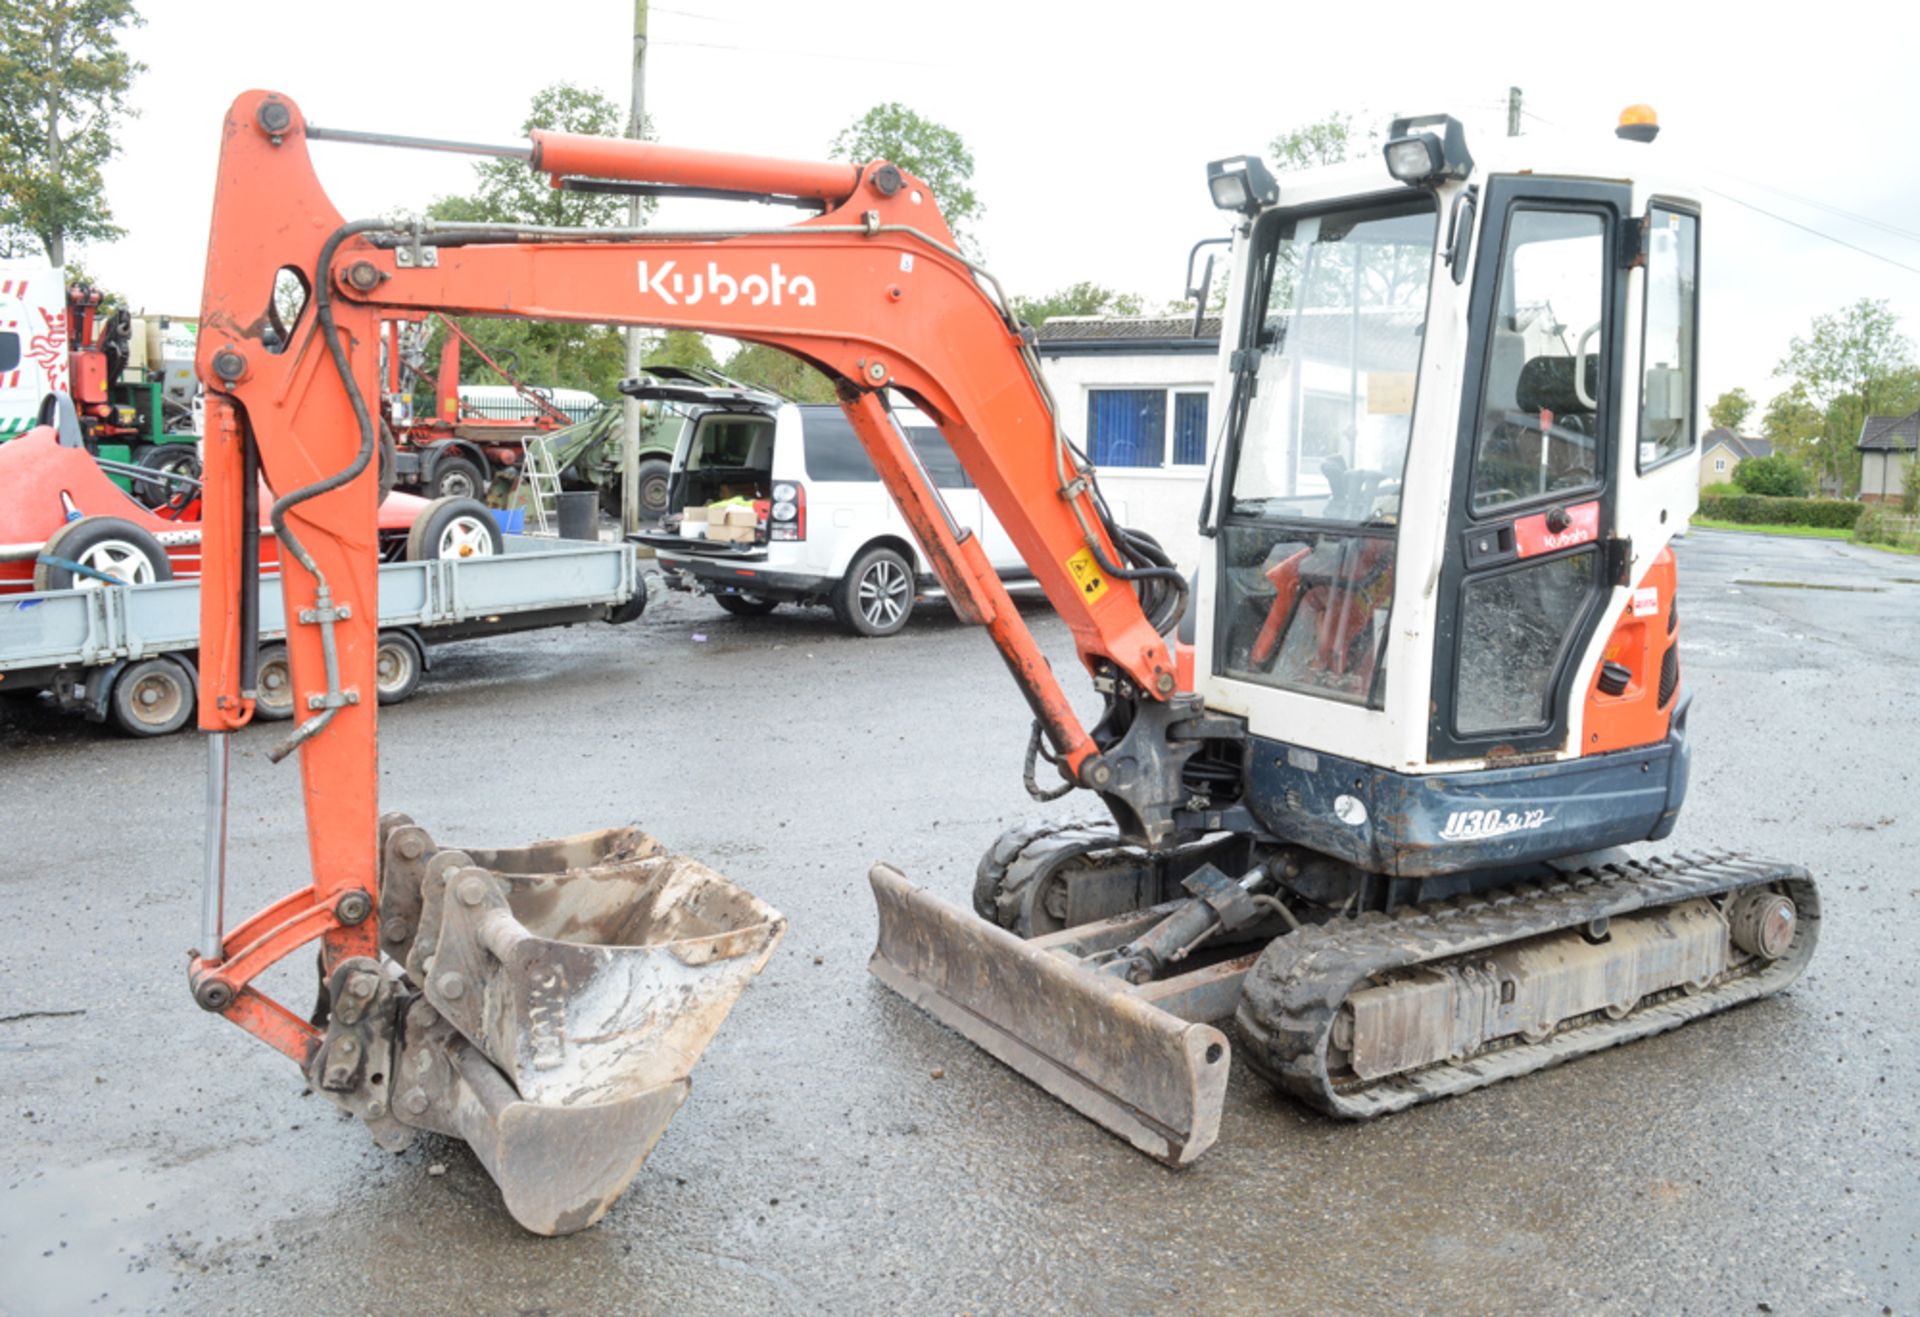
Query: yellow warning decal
(1087, 575)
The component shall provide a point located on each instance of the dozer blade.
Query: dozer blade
(1093, 1041)
(566, 990)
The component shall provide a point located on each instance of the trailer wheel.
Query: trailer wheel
(398, 664)
(107, 545)
(454, 528)
(175, 459)
(273, 694)
(152, 698)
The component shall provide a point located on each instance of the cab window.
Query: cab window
(9, 350)
(1667, 350)
(1540, 430)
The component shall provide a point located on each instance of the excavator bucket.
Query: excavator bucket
(565, 991)
(1139, 1060)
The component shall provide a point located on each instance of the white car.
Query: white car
(825, 530)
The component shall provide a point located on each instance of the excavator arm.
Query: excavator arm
(872, 290)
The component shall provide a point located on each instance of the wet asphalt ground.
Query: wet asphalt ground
(157, 1159)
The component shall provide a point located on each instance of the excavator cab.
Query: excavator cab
(1436, 659)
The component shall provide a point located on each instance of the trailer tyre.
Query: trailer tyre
(398, 664)
(153, 697)
(109, 545)
(273, 696)
(457, 477)
(175, 459)
(454, 528)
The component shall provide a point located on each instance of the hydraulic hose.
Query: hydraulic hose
(322, 294)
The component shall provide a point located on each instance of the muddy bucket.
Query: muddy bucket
(566, 990)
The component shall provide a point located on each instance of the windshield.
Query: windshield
(1345, 304)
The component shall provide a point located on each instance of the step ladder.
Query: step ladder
(539, 486)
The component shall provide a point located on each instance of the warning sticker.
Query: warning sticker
(1087, 575)
(1646, 601)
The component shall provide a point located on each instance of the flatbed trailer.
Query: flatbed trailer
(126, 653)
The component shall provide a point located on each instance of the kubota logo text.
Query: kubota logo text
(676, 288)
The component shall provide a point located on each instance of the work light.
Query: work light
(1423, 158)
(1241, 183)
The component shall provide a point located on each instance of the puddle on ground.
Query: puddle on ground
(1817, 585)
(72, 1239)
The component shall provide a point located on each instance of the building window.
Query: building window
(1130, 428)
(1189, 429)
(1719, 464)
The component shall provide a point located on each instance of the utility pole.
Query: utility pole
(630, 407)
(1513, 112)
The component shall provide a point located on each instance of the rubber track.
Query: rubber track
(1020, 857)
(1290, 998)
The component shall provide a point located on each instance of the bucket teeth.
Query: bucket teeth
(565, 991)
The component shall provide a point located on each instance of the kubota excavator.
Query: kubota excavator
(1366, 775)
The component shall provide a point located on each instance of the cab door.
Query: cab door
(1532, 553)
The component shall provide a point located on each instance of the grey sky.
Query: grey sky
(1090, 124)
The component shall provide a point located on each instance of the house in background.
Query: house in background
(1722, 451)
(1887, 447)
(1134, 392)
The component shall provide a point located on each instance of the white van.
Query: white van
(826, 531)
(33, 341)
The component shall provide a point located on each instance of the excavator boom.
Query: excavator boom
(872, 290)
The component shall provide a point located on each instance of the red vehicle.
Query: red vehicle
(64, 524)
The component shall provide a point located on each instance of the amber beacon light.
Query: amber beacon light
(1638, 123)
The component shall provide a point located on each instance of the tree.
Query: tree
(1731, 409)
(1849, 368)
(553, 353)
(683, 347)
(779, 372)
(509, 191)
(1792, 424)
(63, 86)
(931, 152)
(1327, 141)
(1082, 299)
(1779, 476)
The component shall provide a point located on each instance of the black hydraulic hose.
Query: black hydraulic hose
(323, 311)
(249, 562)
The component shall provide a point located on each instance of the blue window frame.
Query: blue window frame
(1127, 427)
(1189, 429)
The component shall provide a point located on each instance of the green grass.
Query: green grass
(1804, 532)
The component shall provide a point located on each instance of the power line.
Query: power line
(1791, 196)
(1821, 205)
(1807, 228)
(806, 54)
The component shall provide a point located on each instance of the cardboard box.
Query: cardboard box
(731, 534)
(693, 523)
(738, 516)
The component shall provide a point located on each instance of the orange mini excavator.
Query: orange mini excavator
(1366, 772)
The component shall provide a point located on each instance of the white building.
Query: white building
(1135, 393)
